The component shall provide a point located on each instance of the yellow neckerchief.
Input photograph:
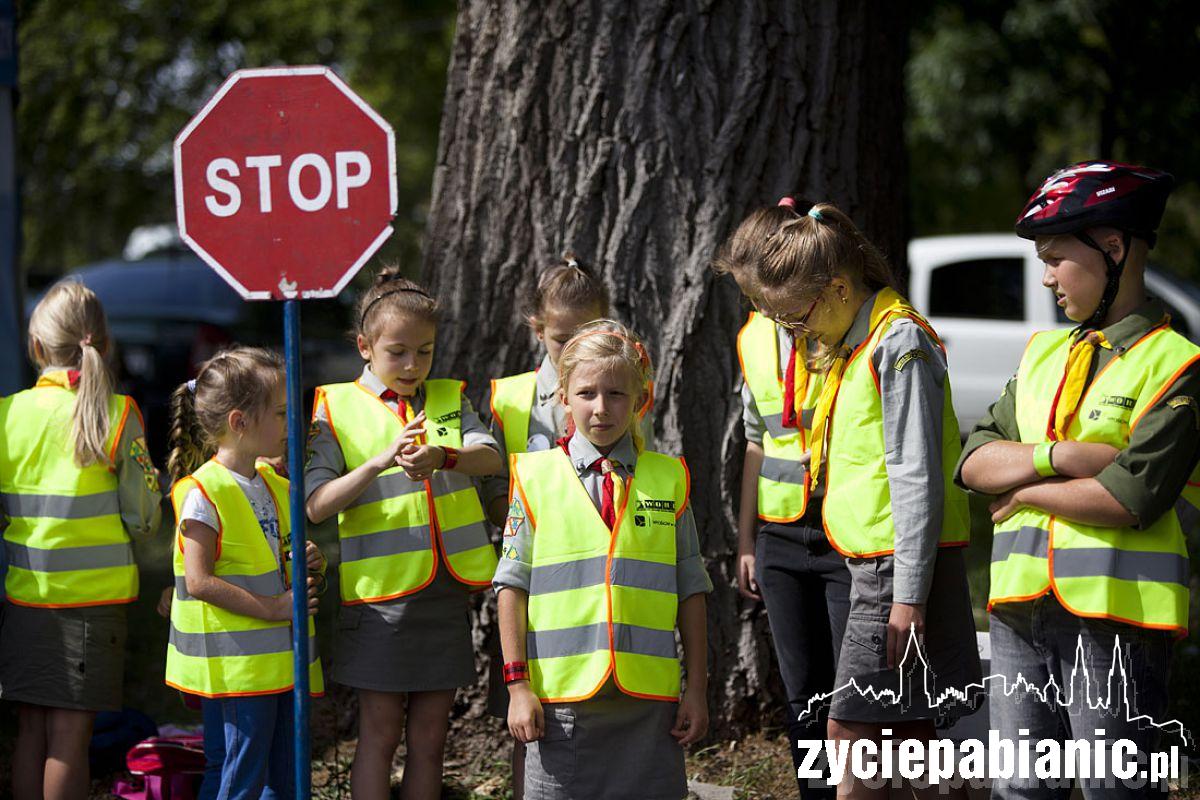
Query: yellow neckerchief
(58, 377)
(887, 302)
(1074, 380)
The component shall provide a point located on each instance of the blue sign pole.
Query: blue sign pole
(296, 447)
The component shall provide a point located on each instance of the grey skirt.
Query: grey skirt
(417, 643)
(610, 746)
(63, 657)
(948, 658)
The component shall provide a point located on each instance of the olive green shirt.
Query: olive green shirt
(1148, 475)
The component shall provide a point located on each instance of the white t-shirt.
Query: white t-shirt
(196, 507)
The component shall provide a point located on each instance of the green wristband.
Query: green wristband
(1042, 463)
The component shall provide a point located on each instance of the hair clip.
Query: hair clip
(787, 202)
(572, 263)
(815, 214)
(191, 385)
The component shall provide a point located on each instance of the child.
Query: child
(602, 563)
(231, 637)
(783, 555)
(526, 412)
(528, 416)
(884, 441)
(76, 483)
(393, 454)
(1087, 449)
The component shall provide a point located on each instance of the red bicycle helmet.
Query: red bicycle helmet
(1092, 194)
(1097, 193)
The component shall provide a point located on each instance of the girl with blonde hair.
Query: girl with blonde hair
(76, 483)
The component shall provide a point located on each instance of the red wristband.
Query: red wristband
(516, 671)
(451, 457)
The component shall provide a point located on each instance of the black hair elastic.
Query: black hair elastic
(362, 322)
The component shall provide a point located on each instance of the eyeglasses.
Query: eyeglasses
(793, 322)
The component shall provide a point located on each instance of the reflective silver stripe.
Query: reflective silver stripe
(635, 573)
(268, 584)
(464, 538)
(1126, 565)
(385, 543)
(60, 506)
(590, 638)
(68, 559)
(549, 578)
(220, 644)
(1027, 540)
(387, 486)
(782, 470)
(774, 425)
(644, 574)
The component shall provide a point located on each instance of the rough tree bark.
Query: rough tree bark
(638, 134)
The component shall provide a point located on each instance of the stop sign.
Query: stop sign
(285, 182)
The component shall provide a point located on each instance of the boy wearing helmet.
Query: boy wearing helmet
(1087, 450)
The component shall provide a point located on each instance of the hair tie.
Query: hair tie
(816, 214)
(86, 341)
(642, 355)
(787, 202)
(363, 320)
(191, 386)
(572, 263)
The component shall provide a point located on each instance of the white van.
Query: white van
(983, 294)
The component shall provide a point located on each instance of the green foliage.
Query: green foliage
(1002, 93)
(106, 86)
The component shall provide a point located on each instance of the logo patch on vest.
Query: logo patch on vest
(447, 417)
(1118, 401)
(654, 512)
(912, 355)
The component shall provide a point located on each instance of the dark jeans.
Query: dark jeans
(1039, 640)
(806, 587)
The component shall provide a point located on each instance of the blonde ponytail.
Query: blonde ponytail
(68, 329)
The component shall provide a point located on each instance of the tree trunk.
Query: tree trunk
(638, 134)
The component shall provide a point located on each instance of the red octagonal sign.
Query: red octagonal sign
(285, 182)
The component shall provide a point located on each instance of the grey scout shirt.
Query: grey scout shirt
(547, 424)
(325, 459)
(139, 497)
(912, 392)
(1148, 475)
(516, 561)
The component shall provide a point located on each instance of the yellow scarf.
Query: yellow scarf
(1079, 363)
(887, 302)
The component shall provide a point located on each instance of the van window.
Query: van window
(988, 288)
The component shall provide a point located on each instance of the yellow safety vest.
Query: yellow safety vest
(388, 533)
(782, 479)
(217, 653)
(858, 500)
(602, 602)
(1135, 576)
(65, 543)
(512, 406)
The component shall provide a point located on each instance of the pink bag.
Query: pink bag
(164, 768)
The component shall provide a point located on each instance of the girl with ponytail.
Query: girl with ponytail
(76, 482)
